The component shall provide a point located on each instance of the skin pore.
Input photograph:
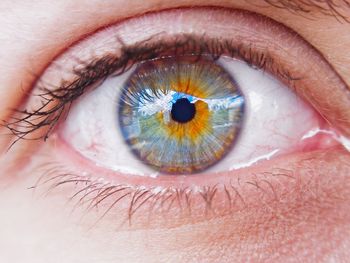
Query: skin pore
(35, 227)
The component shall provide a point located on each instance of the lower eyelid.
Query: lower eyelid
(153, 203)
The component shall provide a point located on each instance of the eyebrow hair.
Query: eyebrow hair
(333, 8)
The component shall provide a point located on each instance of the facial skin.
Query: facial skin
(35, 227)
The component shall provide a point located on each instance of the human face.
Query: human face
(291, 208)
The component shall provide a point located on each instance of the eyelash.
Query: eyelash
(95, 194)
(56, 101)
(90, 190)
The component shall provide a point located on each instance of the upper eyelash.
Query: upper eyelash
(57, 101)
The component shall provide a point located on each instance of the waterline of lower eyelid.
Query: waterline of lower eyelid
(64, 153)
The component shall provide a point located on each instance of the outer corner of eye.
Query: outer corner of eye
(164, 106)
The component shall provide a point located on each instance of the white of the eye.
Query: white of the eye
(275, 120)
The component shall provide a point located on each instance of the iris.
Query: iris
(180, 115)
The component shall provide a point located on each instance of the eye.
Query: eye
(211, 104)
(185, 115)
(178, 115)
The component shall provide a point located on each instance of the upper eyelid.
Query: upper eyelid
(92, 72)
(52, 48)
(283, 35)
(245, 22)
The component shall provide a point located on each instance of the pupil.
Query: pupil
(183, 110)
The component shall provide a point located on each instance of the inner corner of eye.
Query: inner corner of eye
(188, 115)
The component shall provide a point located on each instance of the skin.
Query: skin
(41, 228)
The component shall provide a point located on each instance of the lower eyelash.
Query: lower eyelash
(92, 194)
(190, 203)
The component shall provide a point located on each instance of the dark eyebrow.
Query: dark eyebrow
(335, 8)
